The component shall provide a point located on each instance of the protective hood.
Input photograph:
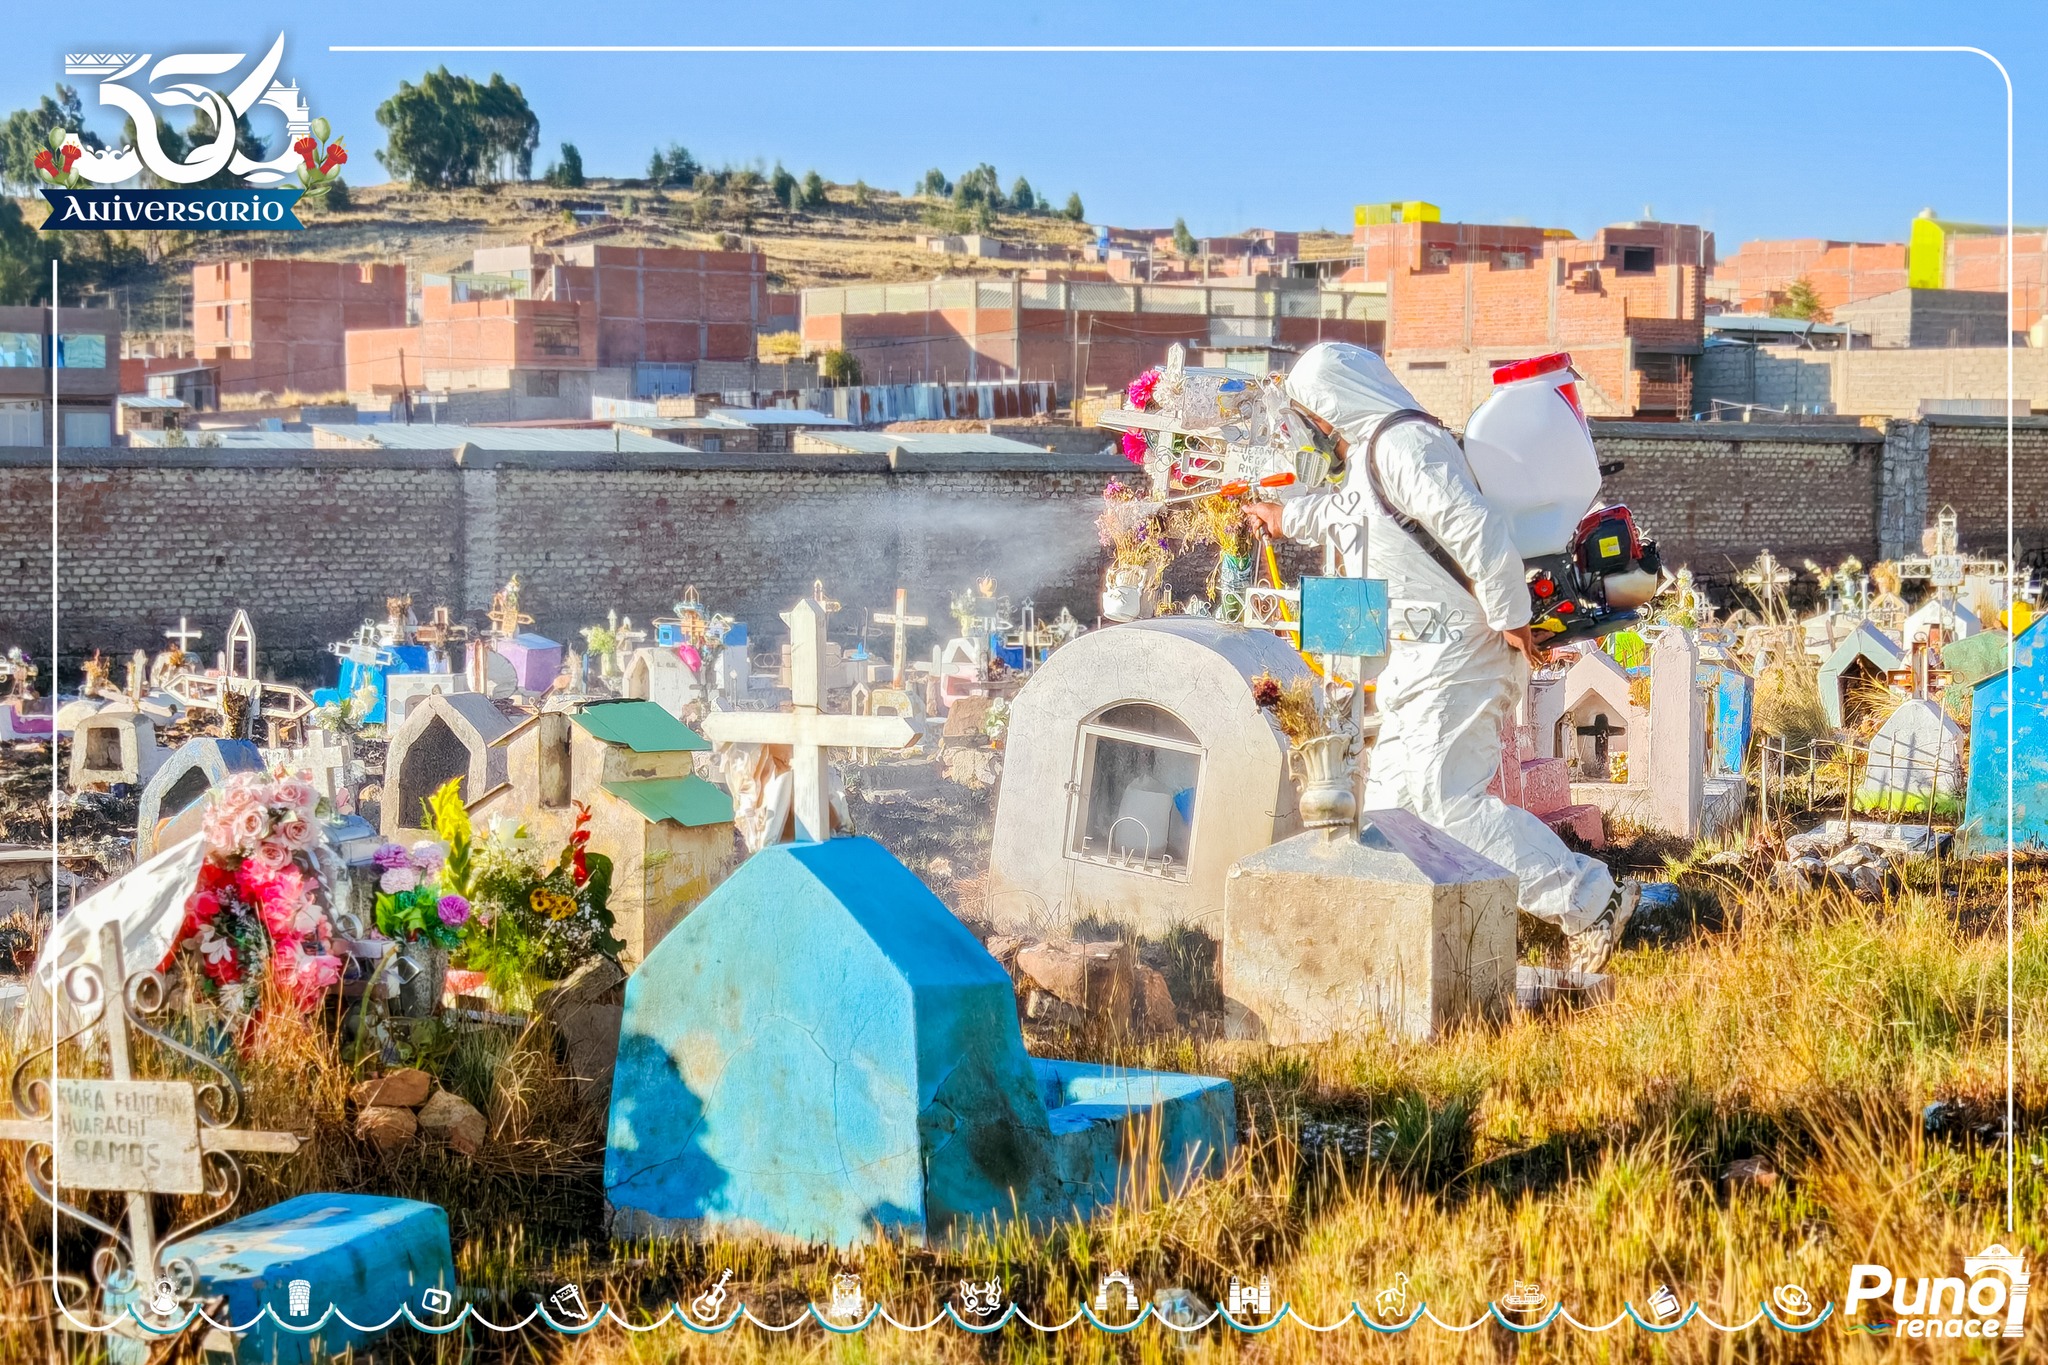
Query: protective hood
(1347, 386)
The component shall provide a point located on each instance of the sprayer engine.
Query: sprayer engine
(1596, 584)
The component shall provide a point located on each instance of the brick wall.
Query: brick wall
(1876, 383)
(311, 542)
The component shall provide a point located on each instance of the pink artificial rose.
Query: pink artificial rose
(216, 828)
(398, 879)
(297, 832)
(295, 792)
(250, 825)
(308, 974)
(272, 854)
(428, 855)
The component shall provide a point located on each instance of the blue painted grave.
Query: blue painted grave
(365, 1255)
(1730, 693)
(821, 1049)
(2015, 700)
(356, 674)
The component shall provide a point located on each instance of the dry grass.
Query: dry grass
(1581, 1150)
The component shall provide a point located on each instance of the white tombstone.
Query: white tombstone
(658, 675)
(115, 746)
(1916, 757)
(402, 691)
(1678, 735)
(1957, 621)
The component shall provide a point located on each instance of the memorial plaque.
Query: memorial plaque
(128, 1135)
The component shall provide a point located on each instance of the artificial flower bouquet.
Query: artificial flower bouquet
(412, 903)
(260, 908)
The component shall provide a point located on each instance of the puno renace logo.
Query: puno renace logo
(1988, 1300)
(141, 87)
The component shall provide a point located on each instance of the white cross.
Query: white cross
(241, 640)
(184, 635)
(806, 731)
(899, 619)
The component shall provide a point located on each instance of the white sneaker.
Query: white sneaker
(1590, 949)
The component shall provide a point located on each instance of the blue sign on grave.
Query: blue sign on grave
(1346, 616)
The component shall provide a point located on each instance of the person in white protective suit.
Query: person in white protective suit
(1461, 650)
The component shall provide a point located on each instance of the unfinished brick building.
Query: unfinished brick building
(1088, 333)
(1760, 275)
(1462, 297)
(279, 326)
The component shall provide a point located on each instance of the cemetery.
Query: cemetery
(865, 950)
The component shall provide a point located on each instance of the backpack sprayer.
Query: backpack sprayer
(1210, 431)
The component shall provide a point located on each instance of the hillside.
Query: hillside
(436, 231)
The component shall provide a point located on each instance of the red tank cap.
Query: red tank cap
(1529, 369)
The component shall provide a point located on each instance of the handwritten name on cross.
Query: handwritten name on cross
(899, 619)
(171, 1128)
(806, 730)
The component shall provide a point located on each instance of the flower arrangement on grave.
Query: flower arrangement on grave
(534, 920)
(322, 171)
(414, 902)
(1294, 705)
(1315, 717)
(345, 715)
(996, 723)
(259, 910)
(1138, 396)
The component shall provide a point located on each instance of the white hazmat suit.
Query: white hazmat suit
(1450, 680)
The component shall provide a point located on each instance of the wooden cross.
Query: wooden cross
(899, 618)
(176, 1134)
(628, 638)
(440, 631)
(184, 635)
(506, 618)
(805, 730)
(138, 669)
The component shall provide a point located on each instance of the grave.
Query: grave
(402, 691)
(2016, 699)
(1956, 621)
(822, 1051)
(1395, 926)
(448, 735)
(1541, 783)
(175, 795)
(116, 745)
(1663, 745)
(362, 1255)
(1138, 768)
(1730, 693)
(1915, 762)
(668, 831)
(536, 661)
(366, 664)
(1859, 664)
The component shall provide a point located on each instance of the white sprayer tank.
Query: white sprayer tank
(1532, 455)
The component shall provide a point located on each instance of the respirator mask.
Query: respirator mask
(1310, 436)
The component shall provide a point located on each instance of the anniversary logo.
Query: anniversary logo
(160, 190)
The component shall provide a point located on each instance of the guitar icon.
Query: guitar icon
(705, 1306)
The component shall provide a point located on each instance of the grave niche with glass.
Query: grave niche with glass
(1136, 777)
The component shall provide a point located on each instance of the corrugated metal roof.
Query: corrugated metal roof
(641, 726)
(450, 436)
(689, 801)
(149, 400)
(926, 443)
(781, 417)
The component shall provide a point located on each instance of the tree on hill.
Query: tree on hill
(198, 134)
(1073, 210)
(935, 185)
(783, 186)
(568, 172)
(27, 132)
(1022, 199)
(449, 131)
(862, 195)
(1802, 301)
(672, 166)
(977, 187)
(812, 193)
(1184, 241)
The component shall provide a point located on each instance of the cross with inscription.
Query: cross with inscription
(175, 1137)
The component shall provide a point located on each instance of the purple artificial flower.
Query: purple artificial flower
(454, 910)
(392, 856)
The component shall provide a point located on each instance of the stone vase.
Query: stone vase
(1323, 768)
(421, 972)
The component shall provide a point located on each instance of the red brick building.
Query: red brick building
(473, 342)
(1083, 334)
(278, 326)
(1758, 276)
(653, 305)
(1462, 297)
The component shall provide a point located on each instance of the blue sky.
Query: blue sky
(1751, 145)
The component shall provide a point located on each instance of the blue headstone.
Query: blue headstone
(1730, 693)
(354, 677)
(821, 1048)
(2017, 698)
(366, 1255)
(1344, 616)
